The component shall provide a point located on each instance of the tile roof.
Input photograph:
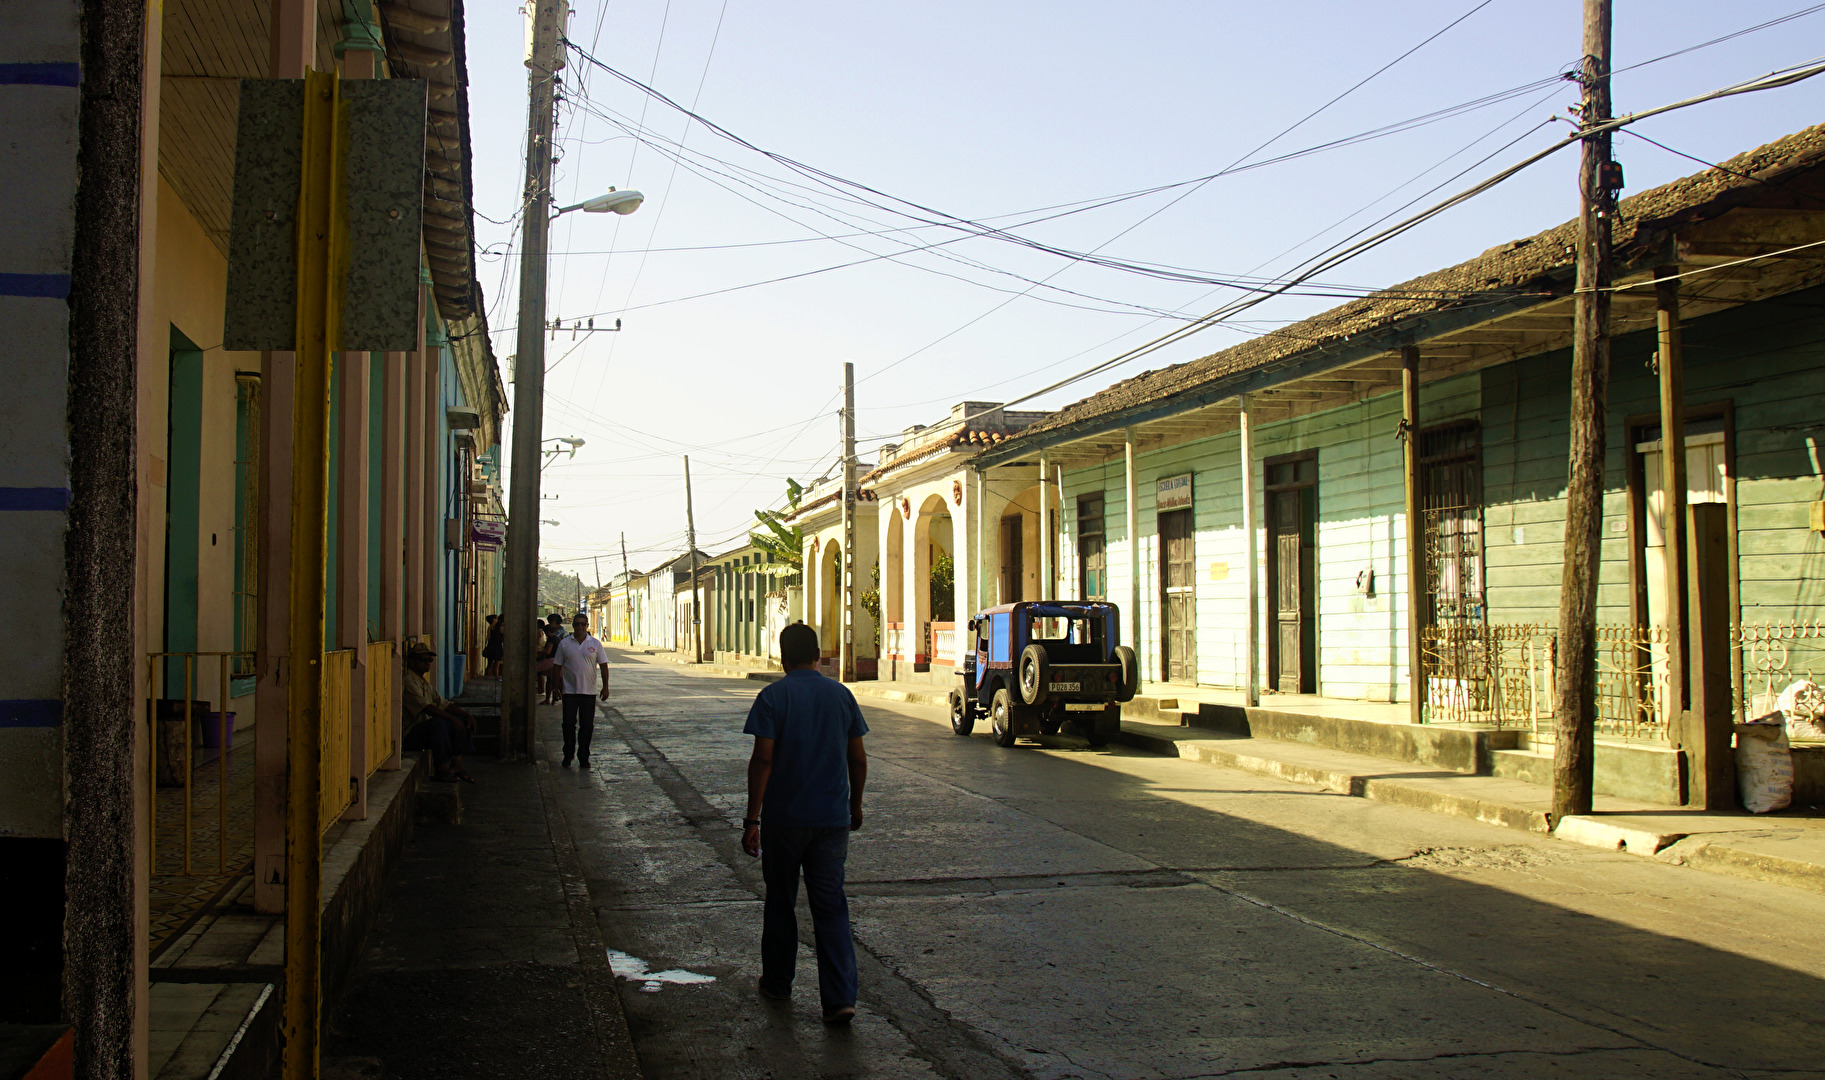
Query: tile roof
(1537, 264)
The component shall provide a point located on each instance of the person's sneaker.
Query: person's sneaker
(582, 763)
(840, 1016)
(761, 985)
(566, 763)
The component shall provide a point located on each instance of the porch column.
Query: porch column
(351, 542)
(1416, 535)
(433, 489)
(1251, 681)
(1045, 534)
(412, 510)
(1678, 695)
(1134, 550)
(293, 39)
(392, 533)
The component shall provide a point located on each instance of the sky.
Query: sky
(1023, 119)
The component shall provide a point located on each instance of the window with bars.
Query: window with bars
(1092, 552)
(1451, 498)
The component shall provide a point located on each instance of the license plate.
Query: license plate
(1075, 707)
(1068, 687)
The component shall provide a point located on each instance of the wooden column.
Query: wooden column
(351, 540)
(1044, 533)
(293, 43)
(1678, 694)
(433, 490)
(1133, 525)
(392, 533)
(1251, 680)
(1418, 610)
(412, 510)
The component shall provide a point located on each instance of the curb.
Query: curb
(1675, 849)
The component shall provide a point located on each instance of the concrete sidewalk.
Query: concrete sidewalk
(1786, 847)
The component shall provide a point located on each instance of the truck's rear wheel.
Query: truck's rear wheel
(1001, 717)
(1099, 727)
(963, 718)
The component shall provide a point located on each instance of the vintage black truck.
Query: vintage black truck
(1037, 664)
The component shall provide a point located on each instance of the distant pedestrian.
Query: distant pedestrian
(495, 648)
(805, 783)
(432, 721)
(582, 663)
(551, 630)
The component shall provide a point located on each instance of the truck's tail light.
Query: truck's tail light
(1110, 677)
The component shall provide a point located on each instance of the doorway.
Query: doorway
(1179, 600)
(1292, 638)
(1013, 527)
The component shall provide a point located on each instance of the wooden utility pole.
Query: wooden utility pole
(1417, 609)
(846, 567)
(627, 590)
(690, 540)
(1251, 648)
(1575, 709)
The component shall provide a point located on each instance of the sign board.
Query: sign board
(382, 125)
(488, 535)
(1173, 493)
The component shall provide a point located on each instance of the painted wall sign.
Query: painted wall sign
(1173, 493)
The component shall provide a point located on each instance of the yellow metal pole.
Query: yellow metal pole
(319, 247)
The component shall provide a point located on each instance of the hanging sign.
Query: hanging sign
(1173, 493)
(488, 535)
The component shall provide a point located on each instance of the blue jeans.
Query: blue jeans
(785, 851)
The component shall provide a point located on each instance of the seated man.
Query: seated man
(432, 722)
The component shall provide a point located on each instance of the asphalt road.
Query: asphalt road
(1059, 912)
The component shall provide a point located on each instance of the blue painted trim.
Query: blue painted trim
(34, 498)
(52, 286)
(47, 74)
(30, 713)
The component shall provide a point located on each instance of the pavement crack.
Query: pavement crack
(1446, 1055)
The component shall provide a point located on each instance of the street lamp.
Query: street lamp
(546, 521)
(520, 584)
(552, 453)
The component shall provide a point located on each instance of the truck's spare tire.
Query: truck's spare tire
(1034, 672)
(1131, 672)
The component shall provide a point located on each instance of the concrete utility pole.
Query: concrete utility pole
(690, 541)
(847, 569)
(1574, 711)
(1417, 608)
(520, 577)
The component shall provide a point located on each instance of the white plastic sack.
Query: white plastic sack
(1803, 706)
(1764, 765)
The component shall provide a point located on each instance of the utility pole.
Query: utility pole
(1574, 711)
(847, 569)
(690, 540)
(627, 589)
(520, 582)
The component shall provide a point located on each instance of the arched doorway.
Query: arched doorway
(932, 596)
(830, 598)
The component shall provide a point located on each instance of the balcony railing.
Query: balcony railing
(1503, 674)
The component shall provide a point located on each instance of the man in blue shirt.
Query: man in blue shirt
(804, 799)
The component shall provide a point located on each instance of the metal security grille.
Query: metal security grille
(1451, 497)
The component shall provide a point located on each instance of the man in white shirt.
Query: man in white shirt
(585, 665)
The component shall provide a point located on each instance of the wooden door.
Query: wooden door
(1012, 577)
(1179, 603)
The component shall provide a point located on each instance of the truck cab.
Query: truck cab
(1037, 665)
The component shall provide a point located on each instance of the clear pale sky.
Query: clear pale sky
(983, 110)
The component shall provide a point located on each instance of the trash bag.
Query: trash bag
(1764, 765)
(1802, 705)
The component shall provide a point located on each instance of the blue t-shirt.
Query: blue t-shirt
(810, 720)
